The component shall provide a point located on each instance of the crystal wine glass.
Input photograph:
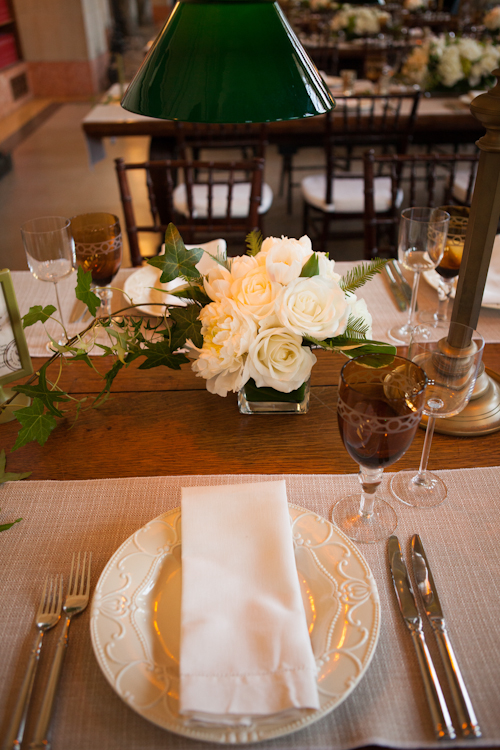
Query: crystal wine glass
(380, 404)
(98, 245)
(452, 373)
(50, 252)
(421, 243)
(448, 267)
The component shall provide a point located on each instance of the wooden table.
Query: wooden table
(163, 422)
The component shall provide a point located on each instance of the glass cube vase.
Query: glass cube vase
(253, 400)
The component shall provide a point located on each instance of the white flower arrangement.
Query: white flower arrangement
(267, 309)
(446, 63)
(492, 19)
(359, 21)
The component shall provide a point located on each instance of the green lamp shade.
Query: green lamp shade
(227, 62)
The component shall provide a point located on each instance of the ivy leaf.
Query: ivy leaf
(84, 292)
(187, 326)
(254, 241)
(9, 476)
(311, 266)
(359, 275)
(160, 353)
(196, 293)
(41, 392)
(38, 313)
(36, 424)
(177, 259)
(5, 526)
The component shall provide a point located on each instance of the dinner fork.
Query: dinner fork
(76, 601)
(47, 616)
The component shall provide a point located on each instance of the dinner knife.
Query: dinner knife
(427, 588)
(396, 290)
(443, 727)
(406, 288)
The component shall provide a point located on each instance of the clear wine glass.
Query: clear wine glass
(50, 252)
(448, 267)
(452, 373)
(421, 243)
(98, 246)
(380, 404)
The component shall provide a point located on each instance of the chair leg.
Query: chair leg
(305, 218)
(324, 233)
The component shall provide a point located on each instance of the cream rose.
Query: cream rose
(277, 359)
(314, 307)
(285, 257)
(255, 293)
(217, 282)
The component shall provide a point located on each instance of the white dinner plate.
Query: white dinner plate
(135, 623)
(432, 278)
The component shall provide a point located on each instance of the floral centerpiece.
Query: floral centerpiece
(359, 21)
(249, 322)
(416, 6)
(450, 64)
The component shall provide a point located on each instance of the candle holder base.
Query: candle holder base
(481, 416)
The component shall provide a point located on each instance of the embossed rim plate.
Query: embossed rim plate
(135, 623)
(432, 278)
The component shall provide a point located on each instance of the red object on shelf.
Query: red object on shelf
(5, 14)
(8, 50)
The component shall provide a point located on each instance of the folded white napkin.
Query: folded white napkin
(245, 646)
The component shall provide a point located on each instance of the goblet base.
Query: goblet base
(364, 527)
(429, 319)
(405, 334)
(426, 490)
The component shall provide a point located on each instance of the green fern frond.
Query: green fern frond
(357, 328)
(254, 242)
(359, 275)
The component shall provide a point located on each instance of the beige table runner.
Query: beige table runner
(387, 707)
(380, 302)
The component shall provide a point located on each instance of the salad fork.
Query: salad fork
(76, 601)
(47, 616)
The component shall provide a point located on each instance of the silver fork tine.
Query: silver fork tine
(76, 600)
(47, 616)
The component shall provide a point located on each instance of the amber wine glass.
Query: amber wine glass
(449, 266)
(380, 404)
(98, 247)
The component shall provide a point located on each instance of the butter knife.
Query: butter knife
(406, 288)
(443, 727)
(396, 290)
(426, 586)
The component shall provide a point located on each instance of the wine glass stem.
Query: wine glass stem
(370, 480)
(431, 423)
(413, 304)
(444, 293)
(59, 307)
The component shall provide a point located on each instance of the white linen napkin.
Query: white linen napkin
(245, 646)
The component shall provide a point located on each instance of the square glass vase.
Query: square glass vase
(253, 400)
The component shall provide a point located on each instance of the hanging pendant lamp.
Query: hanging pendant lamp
(223, 61)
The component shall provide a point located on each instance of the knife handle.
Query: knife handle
(439, 711)
(463, 705)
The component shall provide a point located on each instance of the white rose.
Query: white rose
(278, 360)
(470, 49)
(227, 336)
(285, 257)
(450, 67)
(241, 265)
(217, 282)
(255, 293)
(314, 307)
(326, 267)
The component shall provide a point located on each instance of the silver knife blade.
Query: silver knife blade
(427, 588)
(404, 284)
(443, 726)
(397, 292)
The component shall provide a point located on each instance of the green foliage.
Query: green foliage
(6, 526)
(254, 241)
(177, 259)
(187, 326)
(359, 275)
(9, 476)
(84, 293)
(42, 393)
(160, 353)
(38, 313)
(36, 423)
(311, 266)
